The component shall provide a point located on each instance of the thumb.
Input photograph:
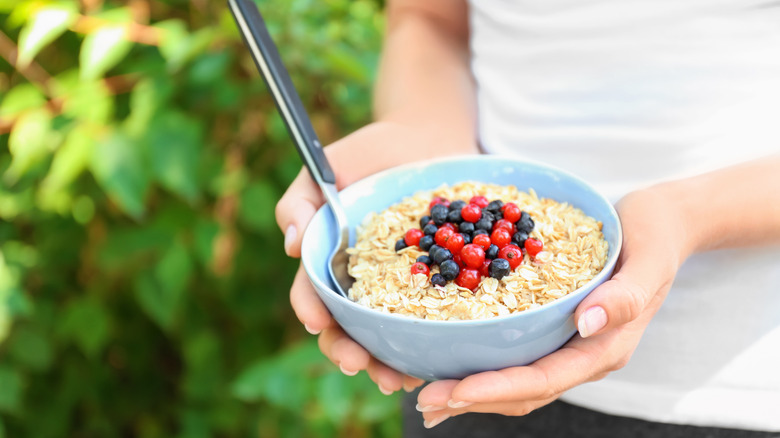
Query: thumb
(295, 209)
(625, 297)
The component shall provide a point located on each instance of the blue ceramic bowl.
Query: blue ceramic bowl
(434, 350)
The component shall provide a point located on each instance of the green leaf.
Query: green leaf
(87, 323)
(203, 360)
(258, 201)
(9, 282)
(161, 293)
(148, 96)
(175, 142)
(85, 100)
(20, 98)
(31, 348)
(10, 389)
(120, 169)
(30, 141)
(178, 45)
(205, 232)
(102, 50)
(71, 158)
(45, 27)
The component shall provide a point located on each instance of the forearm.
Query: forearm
(732, 207)
(424, 79)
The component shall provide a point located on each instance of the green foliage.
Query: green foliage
(143, 284)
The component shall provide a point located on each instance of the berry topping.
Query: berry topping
(481, 201)
(412, 237)
(472, 255)
(495, 206)
(468, 278)
(471, 213)
(439, 214)
(425, 259)
(430, 229)
(484, 269)
(482, 240)
(491, 252)
(424, 221)
(525, 223)
(454, 216)
(455, 243)
(505, 224)
(449, 269)
(501, 238)
(441, 256)
(420, 268)
(466, 238)
(438, 280)
(533, 246)
(426, 242)
(442, 236)
(457, 205)
(466, 227)
(499, 268)
(519, 238)
(438, 200)
(512, 254)
(511, 212)
(400, 244)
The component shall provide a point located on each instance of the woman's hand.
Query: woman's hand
(610, 322)
(371, 149)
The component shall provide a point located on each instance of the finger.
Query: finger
(412, 383)
(387, 379)
(434, 418)
(548, 377)
(295, 209)
(343, 351)
(435, 395)
(307, 305)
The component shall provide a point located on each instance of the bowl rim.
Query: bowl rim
(608, 268)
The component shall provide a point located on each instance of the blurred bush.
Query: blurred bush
(143, 284)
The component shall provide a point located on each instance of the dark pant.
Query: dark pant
(558, 419)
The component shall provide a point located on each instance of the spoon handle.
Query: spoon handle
(268, 62)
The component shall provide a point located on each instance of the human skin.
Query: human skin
(423, 86)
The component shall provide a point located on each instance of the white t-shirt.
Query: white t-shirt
(626, 93)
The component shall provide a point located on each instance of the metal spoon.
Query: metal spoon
(268, 62)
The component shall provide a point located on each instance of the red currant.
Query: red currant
(513, 254)
(438, 200)
(505, 224)
(455, 243)
(501, 238)
(471, 213)
(533, 246)
(457, 259)
(420, 268)
(479, 200)
(468, 278)
(450, 225)
(484, 270)
(482, 240)
(412, 237)
(442, 235)
(511, 212)
(473, 255)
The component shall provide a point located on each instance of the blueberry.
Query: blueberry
(525, 223)
(449, 269)
(426, 242)
(484, 224)
(441, 256)
(424, 221)
(438, 280)
(519, 238)
(400, 244)
(466, 238)
(425, 259)
(466, 227)
(433, 250)
(430, 229)
(494, 206)
(454, 217)
(457, 205)
(478, 232)
(439, 214)
(499, 268)
(498, 215)
(492, 252)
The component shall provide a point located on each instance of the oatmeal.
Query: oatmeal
(473, 251)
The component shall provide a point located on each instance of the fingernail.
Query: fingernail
(384, 390)
(289, 237)
(435, 422)
(593, 320)
(311, 330)
(408, 387)
(429, 408)
(457, 405)
(347, 372)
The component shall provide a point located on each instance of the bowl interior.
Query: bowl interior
(379, 191)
